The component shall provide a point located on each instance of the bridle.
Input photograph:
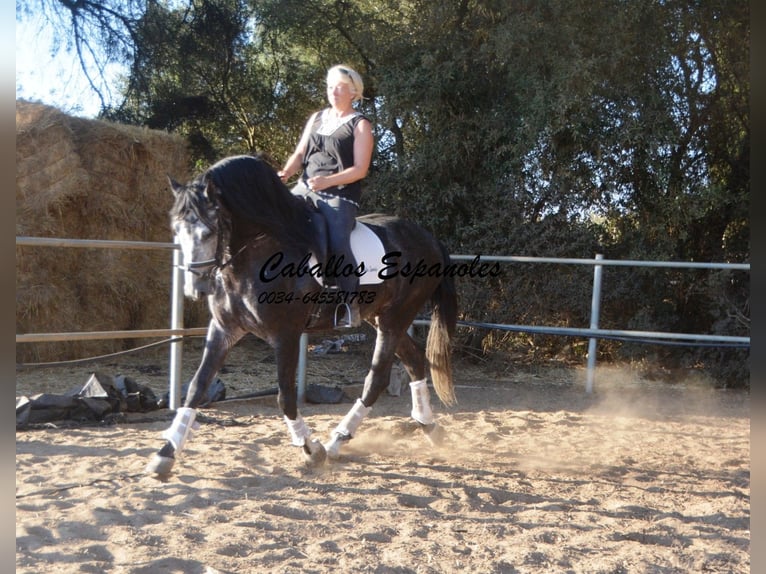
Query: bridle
(200, 268)
(207, 267)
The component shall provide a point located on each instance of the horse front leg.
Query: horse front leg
(287, 351)
(375, 382)
(217, 346)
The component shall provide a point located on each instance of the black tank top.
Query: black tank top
(330, 150)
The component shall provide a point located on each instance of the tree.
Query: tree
(99, 33)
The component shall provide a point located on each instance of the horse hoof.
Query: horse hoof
(333, 446)
(160, 465)
(314, 453)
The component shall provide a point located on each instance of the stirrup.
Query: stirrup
(343, 320)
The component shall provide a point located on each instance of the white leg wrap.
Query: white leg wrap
(299, 430)
(182, 427)
(346, 428)
(421, 402)
(352, 420)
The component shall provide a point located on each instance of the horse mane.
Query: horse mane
(250, 189)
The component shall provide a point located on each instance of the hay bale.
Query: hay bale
(90, 179)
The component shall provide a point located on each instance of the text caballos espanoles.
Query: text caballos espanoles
(276, 266)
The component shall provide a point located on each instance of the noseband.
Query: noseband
(207, 267)
(201, 268)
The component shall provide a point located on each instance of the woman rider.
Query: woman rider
(334, 154)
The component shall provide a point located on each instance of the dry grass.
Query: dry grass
(88, 179)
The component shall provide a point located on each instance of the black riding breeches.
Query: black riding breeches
(340, 215)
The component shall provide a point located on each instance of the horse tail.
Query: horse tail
(438, 343)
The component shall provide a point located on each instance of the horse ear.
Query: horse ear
(175, 187)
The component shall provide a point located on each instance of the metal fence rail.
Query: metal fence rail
(601, 261)
(177, 330)
(176, 320)
(103, 335)
(96, 243)
(594, 333)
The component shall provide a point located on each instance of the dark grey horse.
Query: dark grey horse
(258, 254)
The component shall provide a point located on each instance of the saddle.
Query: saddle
(368, 252)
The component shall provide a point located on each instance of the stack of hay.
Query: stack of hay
(88, 179)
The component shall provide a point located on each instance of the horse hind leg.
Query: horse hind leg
(414, 360)
(346, 428)
(376, 381)
(423, 414)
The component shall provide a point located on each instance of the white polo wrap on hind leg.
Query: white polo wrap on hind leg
(352, 420)
(182, 428)
(421, 402)
(346, 428)
(299, 430)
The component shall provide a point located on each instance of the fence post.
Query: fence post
(176, 322)
(303, 351)
(594, 316)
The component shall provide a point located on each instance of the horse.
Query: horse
(258, 253)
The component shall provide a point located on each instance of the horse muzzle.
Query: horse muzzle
(198, 286)
(199, 279)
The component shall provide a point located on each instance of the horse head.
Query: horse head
(194, 219)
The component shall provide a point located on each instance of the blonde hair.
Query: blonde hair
(348, 76)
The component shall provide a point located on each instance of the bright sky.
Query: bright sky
(57, 81)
